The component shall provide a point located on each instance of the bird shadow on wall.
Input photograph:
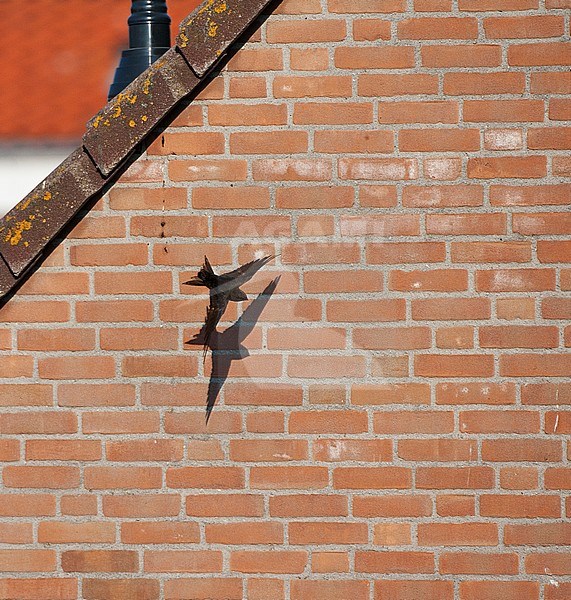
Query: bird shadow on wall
(227, 346)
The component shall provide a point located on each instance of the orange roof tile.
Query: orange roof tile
(58, 61)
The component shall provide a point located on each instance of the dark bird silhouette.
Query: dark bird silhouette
(223, 289)
(228, 345)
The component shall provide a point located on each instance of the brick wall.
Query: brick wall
(400, 430)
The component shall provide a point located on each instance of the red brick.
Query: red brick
(390, 393)
(437, 450)
(455, 337)
(553, 252)
(268, 561)
(557, 479)
(194, 422)
(539, 54)
(524, 167)
(505, 111)
(318, 366)
(423, 422)
(397, 85)
(352, 450)
(257, 59)
(513, 450)
(455, 505)
(291, 169)
(332, 113)
(263, 588)
(515, 280)
(405, 252)
(352, 141)
(503, 139)
(490, 252)
(387, 169)
(320, 533)
(286, 32)
(47, 423)
(316, 589)
(309, 59)
(461, 55)
(445, 309)
(497, 5)
(330, 562)
(416, 505)
(243, 394)
(438, 28)
(205, 477)
(455, 477)
(521, 336)
(247, 114)
(548, 562)
(457, 534)
(504, 421)
(225, 505)
(475, 393)
(27, 561)
(557, 591)
(534, 365)
(159, 366)
(366, 6)
(183, 561)
(311, 87)
(546, 393)
(381, 310)
(144, 450)
(551, 83)
(212, 588)
(49, 311)
(96, 394)
(392, 338)
(103, 561)
(79, 505)
(268, 450)
(440, 196)
(60, 284)
(342, 281)
(142, 589)
(268, 142)
(16, 533)
(554, 223)
(83, 450)
(249, 197)
(269, 478)
(556, 308)
(540, 534)
(461, 365)
(516, 507)
(378, 196)
(308, 505)
(208, 170)
(109, 478)
(62, 588)
(413, 590)
(476, 563)
(61, 532)
(519, 478)
(512, 590)
(529, 26)
(386, 57)
(549, 138)
(428, 111)
(147, 198)
(394, 562)
(144, 171)
(480, 84)
(372, 478)
(26, 394)
(159, 533)
(529, 196)
(26, 504)
(435, 280)
(439, 140)
(371, 30)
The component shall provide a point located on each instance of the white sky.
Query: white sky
(22, 169)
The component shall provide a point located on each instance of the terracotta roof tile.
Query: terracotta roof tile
(58, 60)
(113, 134)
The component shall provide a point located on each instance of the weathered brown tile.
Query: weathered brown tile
(37, 219)
(208, 31)
(129, 117)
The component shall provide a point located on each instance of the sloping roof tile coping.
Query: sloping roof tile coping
(112, 135)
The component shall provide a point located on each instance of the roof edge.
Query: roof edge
(114, 133)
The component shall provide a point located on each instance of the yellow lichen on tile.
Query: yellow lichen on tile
(132, 123)
(14, 234)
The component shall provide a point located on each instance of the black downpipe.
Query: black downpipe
(149, 39)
